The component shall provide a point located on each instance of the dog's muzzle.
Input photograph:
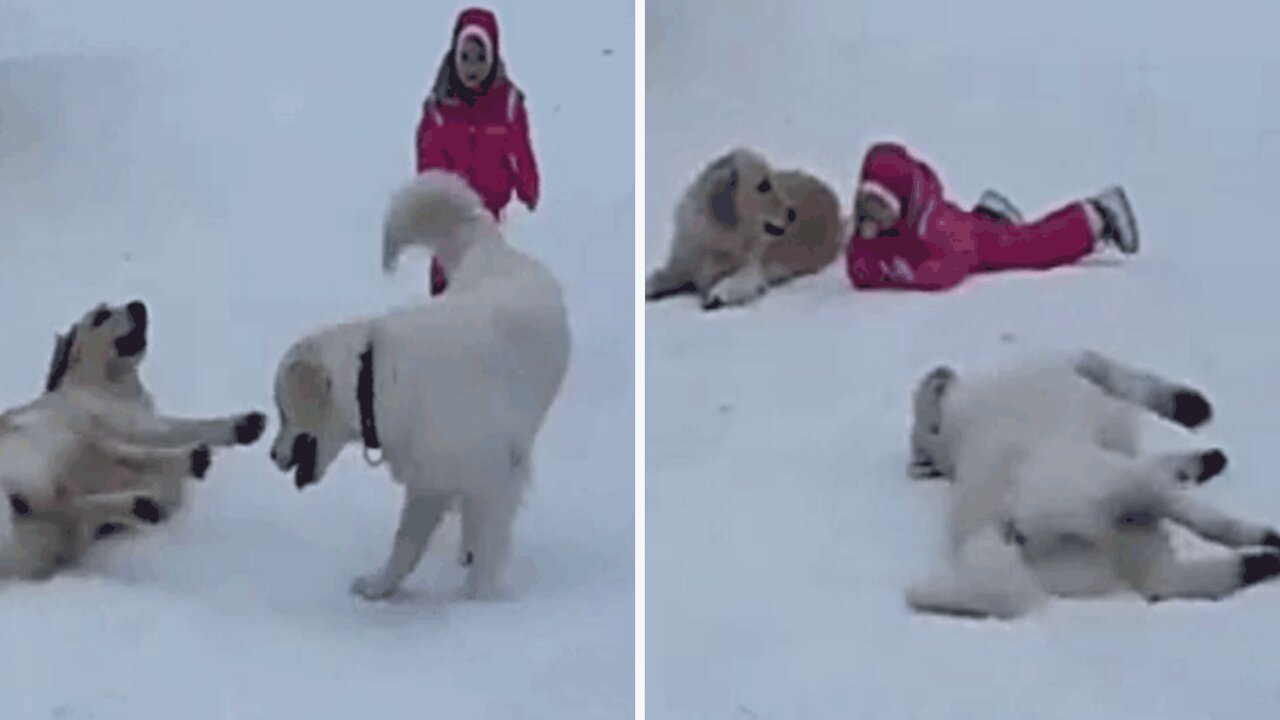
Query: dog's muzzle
(302, 460)
(135, 341)
(774, 230)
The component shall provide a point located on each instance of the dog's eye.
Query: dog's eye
(480, 57)
(764, 186)
(100, 317)
(466, 57)
(935, 428)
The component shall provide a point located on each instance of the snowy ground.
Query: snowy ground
(230, 162)
(781, 529)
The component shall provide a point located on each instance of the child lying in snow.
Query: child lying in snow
(475, 124)
(908, 235)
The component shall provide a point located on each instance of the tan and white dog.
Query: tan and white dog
(90, 454)
(742, 227)
(452, 392)
(1053, 495)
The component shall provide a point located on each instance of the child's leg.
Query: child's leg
(1060, 238)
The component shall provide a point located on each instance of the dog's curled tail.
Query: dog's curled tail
(435, 207)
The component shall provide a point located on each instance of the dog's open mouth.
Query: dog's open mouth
(302, 460)
(774, 230)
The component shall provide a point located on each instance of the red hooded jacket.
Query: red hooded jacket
(935, 244)
(485, 140)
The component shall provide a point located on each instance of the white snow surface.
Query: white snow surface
(229, 162)
(781, 527)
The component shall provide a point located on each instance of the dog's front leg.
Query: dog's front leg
(740, 287)
(418, 520)
(140, 428)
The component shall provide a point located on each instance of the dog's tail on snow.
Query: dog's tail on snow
(433, 209)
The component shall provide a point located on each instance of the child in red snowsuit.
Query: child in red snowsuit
(908, 235)
(474, 123)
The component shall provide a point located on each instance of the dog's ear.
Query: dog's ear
(939, 380)
(60, 362)
(723, 176)
(311, 387)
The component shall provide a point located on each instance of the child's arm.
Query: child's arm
(526, 166)
(863, 265)
(430, 154)
(870, 269)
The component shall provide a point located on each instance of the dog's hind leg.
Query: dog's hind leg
(466, 549)
(419, 518)
(667, 281)
(494, 515)
(1208, 578)
(1170, 400)
(1214, 525)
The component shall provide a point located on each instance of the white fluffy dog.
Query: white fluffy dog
(452, 391)
(1052, 496)
(91, 452)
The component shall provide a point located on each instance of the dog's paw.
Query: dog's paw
(737, 289)
(147, 510)
(201, 459)
(374, 587)
(249, 428)
(924, 471)
(486, 592)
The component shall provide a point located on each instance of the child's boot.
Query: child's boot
(997, 207)
(1117, 225)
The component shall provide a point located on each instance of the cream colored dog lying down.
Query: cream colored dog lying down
(743, 227)
(91, 454)
(452, 392)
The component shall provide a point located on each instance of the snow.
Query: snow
(781, 527)
(229, 162)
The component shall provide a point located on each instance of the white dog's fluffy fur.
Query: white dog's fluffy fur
(1052, 496)
(460, 385)
(91, 452)
(742, 226)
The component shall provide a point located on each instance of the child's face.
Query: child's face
(474, 63)
(873, 215)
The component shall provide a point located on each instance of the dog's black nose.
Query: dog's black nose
(791, 215)
(18, 503)
(138, 311)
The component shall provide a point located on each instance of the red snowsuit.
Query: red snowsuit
(935, 244)
(486, 141)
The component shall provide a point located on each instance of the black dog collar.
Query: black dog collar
(364, 395)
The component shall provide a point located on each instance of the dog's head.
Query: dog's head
(743, 195)
(930, 456)
(312, 430)
(106, 344)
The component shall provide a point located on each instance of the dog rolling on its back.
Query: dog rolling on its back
(452, 392)
(742, 227)
(1052, 495)
(91, 454)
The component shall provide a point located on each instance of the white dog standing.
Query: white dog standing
(1052, 497)
(453, 391)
